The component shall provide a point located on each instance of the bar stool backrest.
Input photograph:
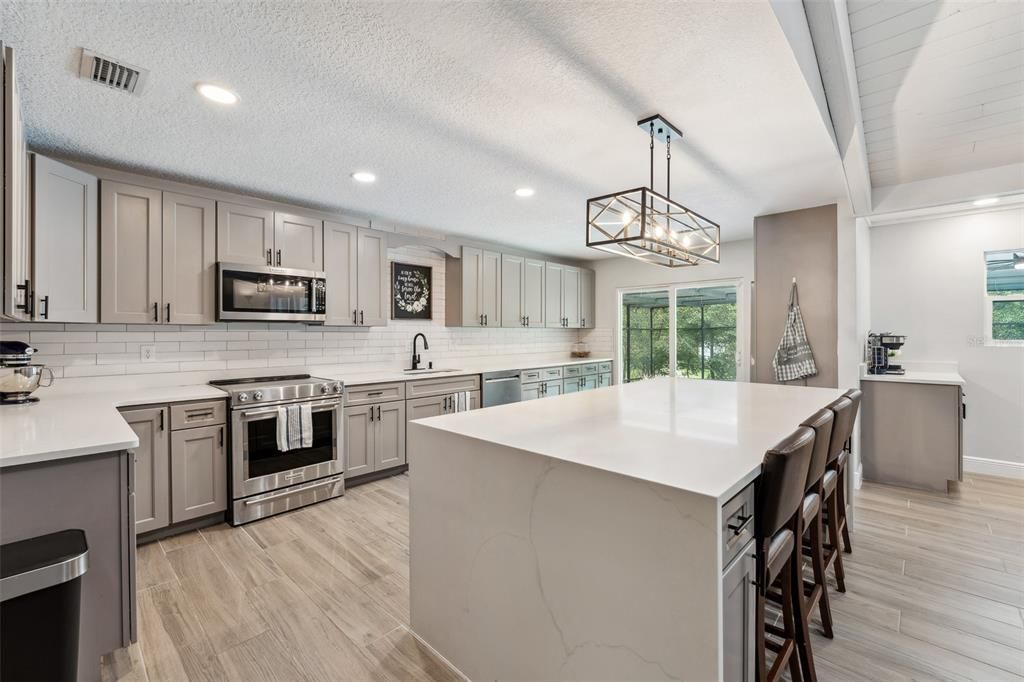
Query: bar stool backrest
(821, 421)
(783, 474)
(842, 427)
(854, 395)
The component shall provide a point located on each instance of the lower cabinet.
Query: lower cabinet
(542, 389)
(739, 602)
(180, 473)
(434, 406)
(374, 437)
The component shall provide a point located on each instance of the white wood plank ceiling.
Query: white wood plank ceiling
(941, 85)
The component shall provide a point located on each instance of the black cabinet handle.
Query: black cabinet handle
(279, 256)
(156, 312)
(361, 319)
(168, 315)
(270, 257)
(371, 412)
(963, 410)
(222, 436)
(527, 320)
(378, 413)
(161, 420)
(743, 522)
(46, 308)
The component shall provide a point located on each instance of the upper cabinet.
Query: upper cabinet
(522, 291)
(159, 256)
(245, 234)
(571, 297)
(554, 281)
(355, 262)
(473, 286)
(64, 223)
(587, 294)
(17, 258)
(533, 292)
(298, 242)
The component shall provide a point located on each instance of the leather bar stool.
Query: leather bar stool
(842, 427)
(780, 494)
(854, 395)
(814, 501)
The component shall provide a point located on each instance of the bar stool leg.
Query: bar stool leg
(796, 599)
(818, 567)
(759, 644)
(834, 538)
(841, 492)
(789, 605)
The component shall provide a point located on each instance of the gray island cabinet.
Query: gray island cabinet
(93, 493)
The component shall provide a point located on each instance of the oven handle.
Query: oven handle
(317, 407)
(286, 493)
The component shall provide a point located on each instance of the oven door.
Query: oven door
(248, 292)
(259, 466)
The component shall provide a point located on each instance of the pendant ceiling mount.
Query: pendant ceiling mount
(647, 225)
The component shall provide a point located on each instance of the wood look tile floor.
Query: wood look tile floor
(935, 590)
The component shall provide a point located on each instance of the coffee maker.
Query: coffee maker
(18, 376)
(879, 346)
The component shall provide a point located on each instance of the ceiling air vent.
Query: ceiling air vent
(112, 73)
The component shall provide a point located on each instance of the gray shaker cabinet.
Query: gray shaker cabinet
(199, 479)
(372, 277)
(374, 437)
(298, 242)
(553, 284)
(64, 219)
(152, 486)
(341, 268)
(533, 292)
(739, 601)
(245, 234)
(473, 289)
(587, 294)
(571, 297)
(513, 313)
(131, 252)
(390, 445)
(189, 259)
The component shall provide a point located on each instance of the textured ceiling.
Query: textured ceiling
(941, 86)
(452, 105)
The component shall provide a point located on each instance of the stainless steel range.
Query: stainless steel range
(269, 474)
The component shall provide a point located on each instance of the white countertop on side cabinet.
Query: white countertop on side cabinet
(947, 377)
(704, 437)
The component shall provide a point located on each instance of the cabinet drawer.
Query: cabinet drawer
(530, 376)
(587, 370)
(604, 367)
(427, 387)
(191, 415)
(375, 393)
(571, 371)
(549, 373)
(737, 523)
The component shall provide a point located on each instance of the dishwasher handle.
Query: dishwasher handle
(501, 379)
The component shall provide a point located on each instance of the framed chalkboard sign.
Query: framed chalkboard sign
(410, 291)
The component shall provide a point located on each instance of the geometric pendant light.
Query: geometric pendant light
(643, 224)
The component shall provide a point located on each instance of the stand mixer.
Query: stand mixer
(18, 376)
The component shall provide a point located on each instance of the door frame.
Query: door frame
(742, 320)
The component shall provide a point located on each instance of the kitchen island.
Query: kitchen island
(586, 536)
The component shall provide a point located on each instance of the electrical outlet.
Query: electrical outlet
(148, 353)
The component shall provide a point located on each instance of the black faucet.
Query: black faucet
(415, 355)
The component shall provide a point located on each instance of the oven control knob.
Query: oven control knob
(258, 395)
(243, 397)
(325, 388)
(337, 388)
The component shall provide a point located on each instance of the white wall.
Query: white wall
(737, 261)
(927, 281)
(236, 348)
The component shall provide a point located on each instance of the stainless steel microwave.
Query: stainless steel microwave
(267, 293)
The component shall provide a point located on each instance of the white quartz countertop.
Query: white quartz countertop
(705, 437)
(918, 377)
(72, 421)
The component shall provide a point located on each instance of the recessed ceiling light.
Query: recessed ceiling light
(988, 201)
(524, 192)
(216, 93)
(364, 176)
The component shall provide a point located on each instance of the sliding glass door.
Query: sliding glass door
(703, 322)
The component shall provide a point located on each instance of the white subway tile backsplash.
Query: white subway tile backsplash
(75, 348)
(133, 335)
(60, 336)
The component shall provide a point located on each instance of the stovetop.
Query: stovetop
(275, 390)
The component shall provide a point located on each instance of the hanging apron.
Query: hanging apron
(794, 359)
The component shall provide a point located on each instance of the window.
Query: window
(700, 321)
(1004, 297)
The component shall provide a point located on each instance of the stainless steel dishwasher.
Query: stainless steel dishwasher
(502, 387)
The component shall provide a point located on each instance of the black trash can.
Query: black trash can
(40, 600)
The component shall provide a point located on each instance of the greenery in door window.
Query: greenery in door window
(1007, 320)
(1004, 289)
(645, 335)
(706, 340)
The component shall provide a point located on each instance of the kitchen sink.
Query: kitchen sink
(430, 371)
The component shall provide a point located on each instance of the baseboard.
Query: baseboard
(858, 478)
(994, 467)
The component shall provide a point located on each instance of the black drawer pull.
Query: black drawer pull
(744, 521)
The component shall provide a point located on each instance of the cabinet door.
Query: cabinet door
(490, 288)
(738, 613)
(531, 392)
(298, 242)
(65, 220)
(533, 292)
(152, 485)
(472, 305)
(553, 294)
(589, 382)
(342, 274)
(390, 422)
(474, 400)
(372, 287)
(131, 253)
(245, 234)
(587, 299)
(17, 264)
(604, 380)
(571, 297)
(571, 385)
(551, 388)
(421, 408)
(512, 281)
(199, 473)
(359, 439)
(189, 259)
